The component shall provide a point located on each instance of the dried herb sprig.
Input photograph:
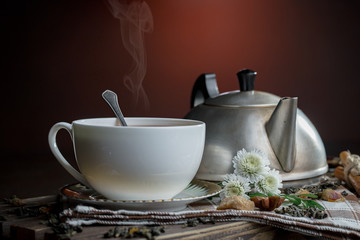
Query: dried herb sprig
(14, 201)
(48, 212)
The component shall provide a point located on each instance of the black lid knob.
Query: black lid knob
(246, 79)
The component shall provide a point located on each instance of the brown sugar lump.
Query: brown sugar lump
(236, 202)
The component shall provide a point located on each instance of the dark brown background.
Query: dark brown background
(59, 56)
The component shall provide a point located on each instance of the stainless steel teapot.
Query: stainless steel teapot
(251, 120)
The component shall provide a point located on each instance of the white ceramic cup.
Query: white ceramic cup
(150, 159)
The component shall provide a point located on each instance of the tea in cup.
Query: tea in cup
(150, 159)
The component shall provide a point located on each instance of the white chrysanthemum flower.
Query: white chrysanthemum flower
(270, 183)
(235, 185)
(251, 165)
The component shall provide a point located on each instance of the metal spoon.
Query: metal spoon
(111, 98)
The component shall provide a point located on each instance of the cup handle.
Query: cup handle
(55, 150)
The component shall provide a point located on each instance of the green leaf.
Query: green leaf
(312, 203)
(307, 195)
(294, 199)
(304, 204)
(257, 195)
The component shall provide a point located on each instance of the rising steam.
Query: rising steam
(135, 19)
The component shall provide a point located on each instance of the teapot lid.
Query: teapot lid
(247, 96)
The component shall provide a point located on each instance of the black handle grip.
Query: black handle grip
(246, 79)
(204, 87)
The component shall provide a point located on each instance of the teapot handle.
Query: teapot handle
(204, 87)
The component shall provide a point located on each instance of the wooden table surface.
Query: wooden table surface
(13, 226)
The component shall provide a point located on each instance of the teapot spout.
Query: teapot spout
(281, 131)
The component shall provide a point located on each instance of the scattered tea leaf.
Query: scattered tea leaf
(149, 232)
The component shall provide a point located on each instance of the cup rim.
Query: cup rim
(152, 122)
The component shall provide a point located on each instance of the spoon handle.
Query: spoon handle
(111, 98)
